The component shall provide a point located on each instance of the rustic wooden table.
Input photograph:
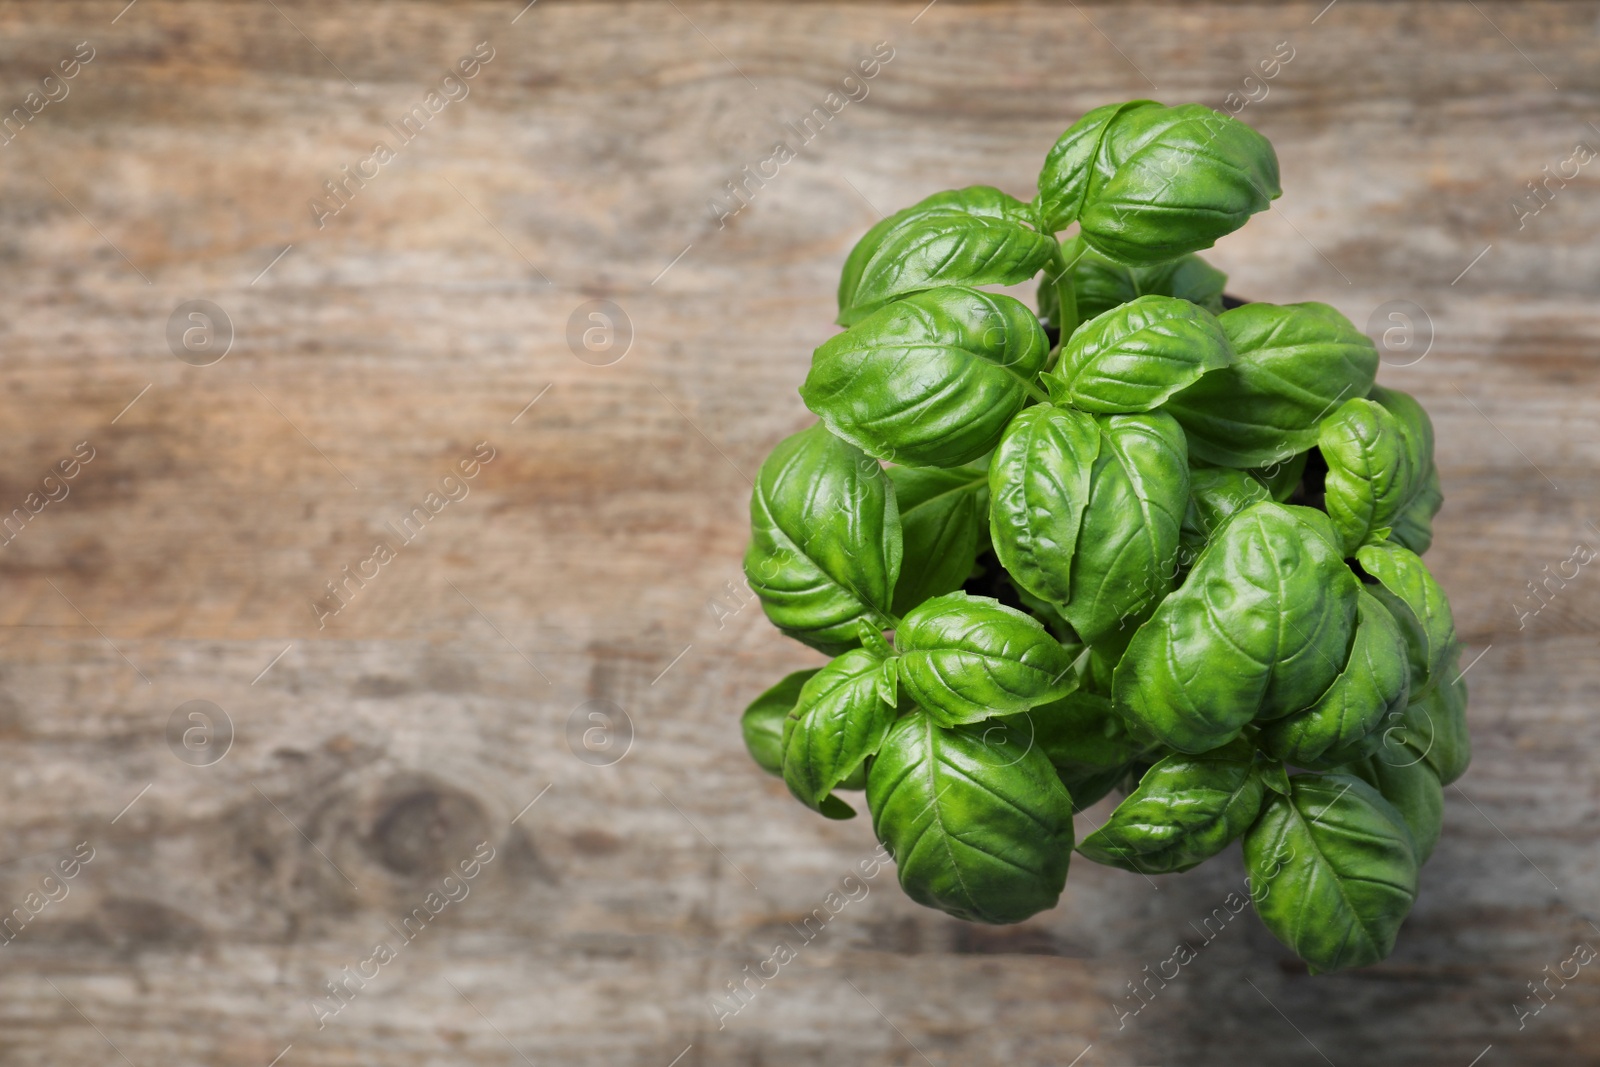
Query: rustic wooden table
(376, 340)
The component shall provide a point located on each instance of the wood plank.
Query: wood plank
(380, 349)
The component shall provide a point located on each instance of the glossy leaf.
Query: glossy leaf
(973, 236)
(930, 380)
(762, 721)
(1415, 792)
(1085, 740)
(1098, 664)
(943, 515)
(1275, 776)
(965, 658)
(1279, 478)
(1185, 810)
(836, 723)
(1071, 167)
(1345, 722)
(1259, 629)
(1418, 606)
(1333, 870)
(1292, 365)
(1370, 479)
(1038, 489)
(872, 639)
(1133, 357)
(1282, 477)
(1432, 729)
(889, 682)
(1148, 183)
(1048, 614)
(1215, 495)
(1414, 420)
(1127, 553)
(978, 823)
(1413, 526)
(1083, 729)
(824, 539)
(1086, 510)
(1103, 284)
(1090, 785)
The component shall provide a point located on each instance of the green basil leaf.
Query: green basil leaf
(1432, 729)
(889, 681)
(1258, 629)
(1370, 478)
(1098, 664)
(1418, 605)
(1086, 742)
(943, 513)
(1274, 775)
(1282, 477)
(762, 721)
(824, 539)
(1415, 792)
(1100, 284)
(965, 658)
(1086, 511)
(1103, 284)
(1038, 489)
(1135, 356)
(1185, 810)
(1083, 730)
(837, 722)
(1292, 364)
(972, 236)
(1126, 556)
(1413, 418)
(930, 380)
(1413, 526)
(872, 639)
(1215, 495)
(1344, 723)
(975, 817)
(1147, 183)
(1070, 167)
(1090, 785)
(1333, 870)
(1048, 614)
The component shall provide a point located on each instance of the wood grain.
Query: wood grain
(375, 754)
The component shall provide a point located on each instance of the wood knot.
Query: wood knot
(422, 831)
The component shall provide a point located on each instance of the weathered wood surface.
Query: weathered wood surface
(378, 751)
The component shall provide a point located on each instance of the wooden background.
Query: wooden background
(375, 753)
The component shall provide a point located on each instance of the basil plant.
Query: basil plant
(1145, 540)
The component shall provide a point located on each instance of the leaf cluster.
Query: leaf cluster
(1135, 540)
